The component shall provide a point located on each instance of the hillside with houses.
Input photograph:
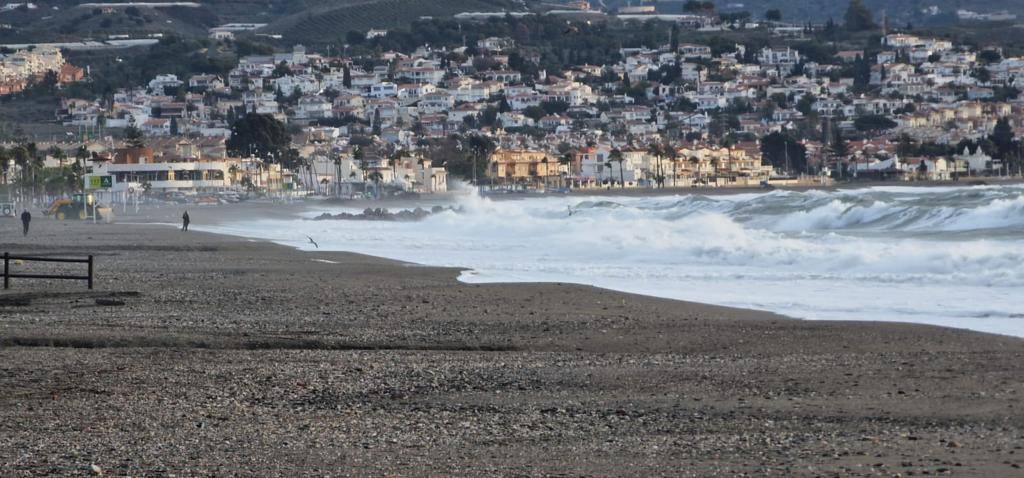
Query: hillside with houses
(679, 109)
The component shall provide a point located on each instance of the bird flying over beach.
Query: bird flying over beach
(311, 241)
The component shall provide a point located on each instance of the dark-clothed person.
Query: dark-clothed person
(26, 218)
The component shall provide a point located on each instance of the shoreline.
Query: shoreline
(219, 221)
(451, 274)
(461, 271)
(233, 356)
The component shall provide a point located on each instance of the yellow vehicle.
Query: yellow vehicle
(77, 207)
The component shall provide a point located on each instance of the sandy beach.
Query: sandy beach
(232, 357)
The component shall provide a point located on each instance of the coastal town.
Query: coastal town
(662, 115)
(489, 238)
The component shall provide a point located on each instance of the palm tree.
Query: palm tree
(82, 154)
(75, 176)
(5, 160)
(566, 159)
(376, 177)
(57, 154)
(394, 158)
(673, 157)
(695, 161)
(657, 150)
(480, 149)
(358, 155)
(616, 156)
(233, 171)
(311, 172)
(337, 175)
(35, 164)
(20, 155)
(422, 161)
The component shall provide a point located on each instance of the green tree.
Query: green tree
(534, 112)
(784, 152)
(989, 56)
(838, 148)
(982, 74)
(658, 151)
(134, 137)
(394, 158)
(470, 155)
(5, 160)
(874, 123)
(673, 158)
(58, 154)
(773, 15)
(282, 69)
(259, 135)
(858, 18)
(1003, 138)
(566, 159)
(376, 129)
(376, 177)
(616, 157)
(81, 155)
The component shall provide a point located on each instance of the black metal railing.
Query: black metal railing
(8, 274)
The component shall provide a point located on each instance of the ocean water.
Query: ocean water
(950, 256)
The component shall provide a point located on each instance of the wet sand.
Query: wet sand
(232, 357)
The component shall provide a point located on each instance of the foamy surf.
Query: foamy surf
(948, 256)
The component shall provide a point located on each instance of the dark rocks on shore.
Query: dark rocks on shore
(382, 214)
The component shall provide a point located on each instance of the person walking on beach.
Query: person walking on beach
(184, 221)
(26, 217)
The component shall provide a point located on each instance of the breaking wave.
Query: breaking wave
(947, 256)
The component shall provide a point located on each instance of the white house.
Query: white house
(161, 82)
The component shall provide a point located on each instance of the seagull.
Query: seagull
(311, 241)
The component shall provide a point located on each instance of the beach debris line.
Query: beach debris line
(109, 302)
(382, 214)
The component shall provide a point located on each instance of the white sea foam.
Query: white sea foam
(946, 256)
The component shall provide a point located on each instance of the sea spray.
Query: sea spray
(948, 256)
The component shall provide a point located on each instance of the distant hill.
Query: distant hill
(70, 22)
(820, 10)
(65, 20)
(330, 21)
(298, 21)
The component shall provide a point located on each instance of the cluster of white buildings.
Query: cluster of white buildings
(930, 88)
(19, 69)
